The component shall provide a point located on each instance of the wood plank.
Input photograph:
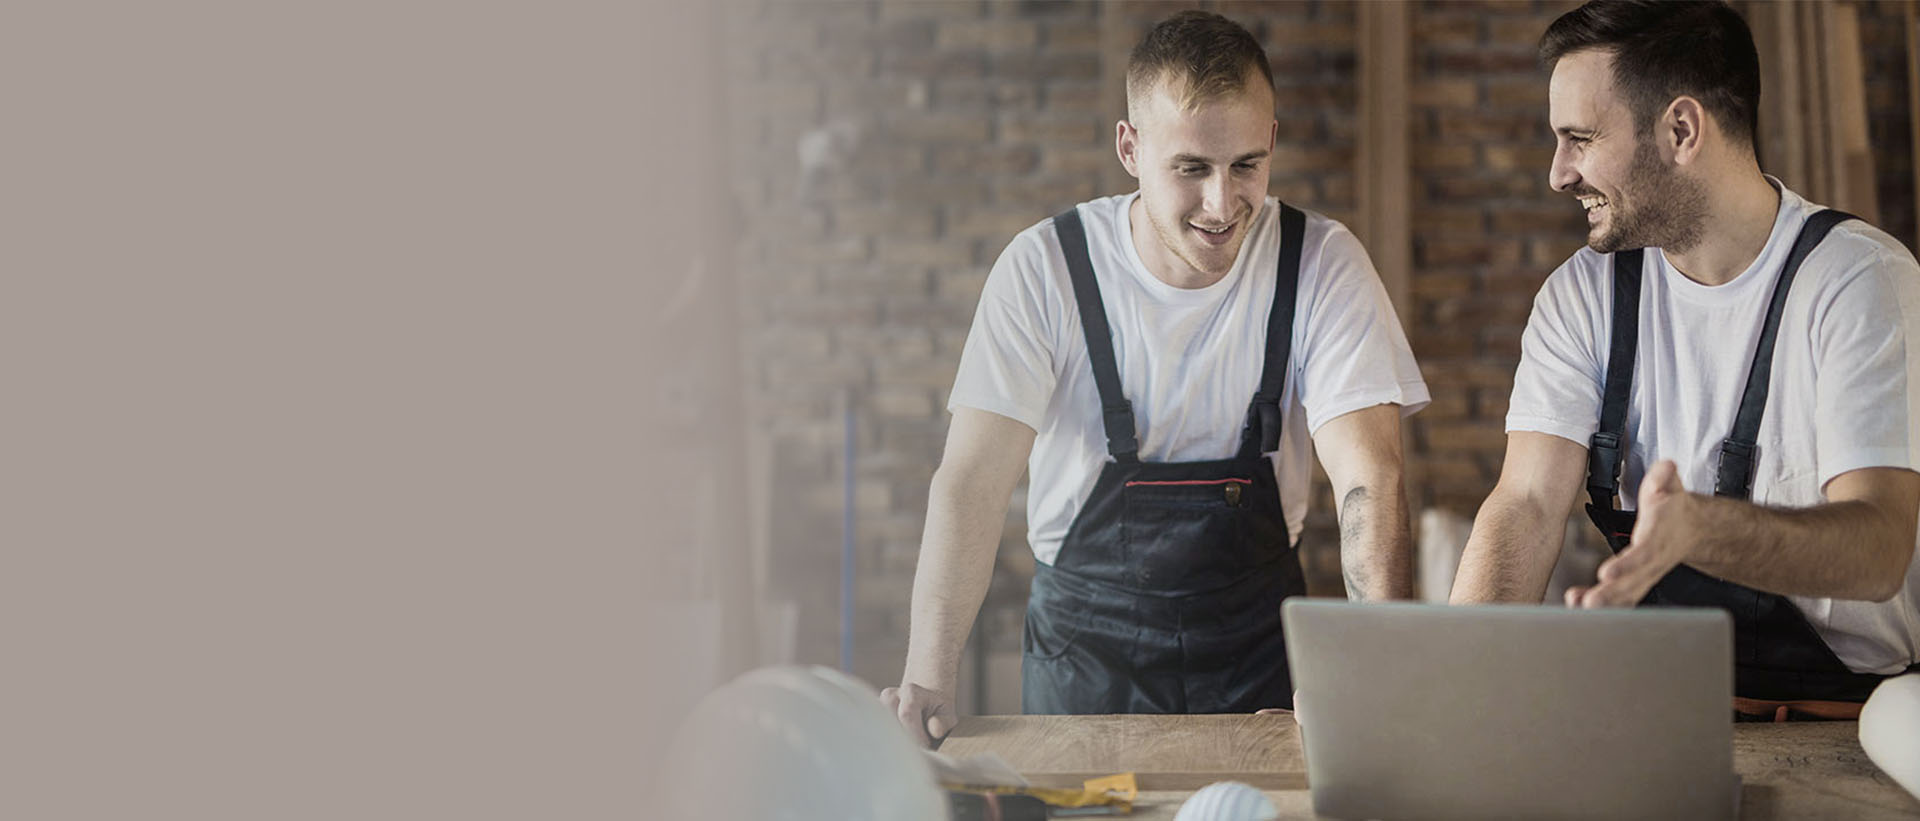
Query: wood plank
(1818, 99)
(1220, 745)
(1383, 164)
(1912, 20)
(1791, 113)
(1802, 770)
(1850, 156)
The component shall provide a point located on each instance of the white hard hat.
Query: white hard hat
(1887, 724)
(797, 744)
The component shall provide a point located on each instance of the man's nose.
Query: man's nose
(1216, 199)
(1560, 174)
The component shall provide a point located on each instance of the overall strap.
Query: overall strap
(1116, 412)
(1262, 434)
(1739, 452)
(1605, 452)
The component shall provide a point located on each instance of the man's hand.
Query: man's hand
(1295, 713)
(1664, 531)
(927, 714)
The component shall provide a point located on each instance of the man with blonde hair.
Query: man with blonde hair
(1164, 363)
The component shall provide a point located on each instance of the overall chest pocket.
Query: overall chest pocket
(1186, 534)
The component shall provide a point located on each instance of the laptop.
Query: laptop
(1438, 712)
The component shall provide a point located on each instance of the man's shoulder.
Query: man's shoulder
(1856, 246)
(1096, 215)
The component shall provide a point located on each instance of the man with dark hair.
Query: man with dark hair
(1749, 358)
(1114, 354)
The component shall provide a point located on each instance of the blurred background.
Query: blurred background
(874, 157)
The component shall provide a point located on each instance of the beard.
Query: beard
(1663, 208)
(1177, 238)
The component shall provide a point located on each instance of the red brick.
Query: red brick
(1433, 156)
(935, 126)
(991, 222)
(1466, 251)
(1052, 128)
(923, 9)
(1478, 126)
(901, 402)
(1449, 92)
(986, 159)
(1519, 91)
(1047, 66)
(1517, 31)
(1458, 189)
(1539, 219)
(1483, 61)
(1074, 162)
(900, 251)
(1502, 341)
(1536, 158)
(1443, 222)
(990, 35)
(843, 249)
(1048, 192)
(1461, 437)
(1449, 403)
(1446, 31)
(1441, 285)
(1069, 36)
(1296, 158)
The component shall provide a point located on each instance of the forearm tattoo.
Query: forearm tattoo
(1354, 569)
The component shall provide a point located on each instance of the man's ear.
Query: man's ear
(1682, 129)
(1126, 143)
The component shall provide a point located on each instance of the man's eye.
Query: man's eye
(1243, 167)
(1193, 170)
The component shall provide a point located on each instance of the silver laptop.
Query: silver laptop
(1436, 712)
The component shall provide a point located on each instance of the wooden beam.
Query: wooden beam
(1912, 18)
(1382, 166)
(1849, 154)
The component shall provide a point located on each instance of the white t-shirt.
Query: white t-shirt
(1189, 359)
(1842, 397)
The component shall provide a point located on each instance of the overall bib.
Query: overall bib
(1165, 595)
(1777, 655)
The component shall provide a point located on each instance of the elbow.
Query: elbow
(1890, 574)
(1891, 578)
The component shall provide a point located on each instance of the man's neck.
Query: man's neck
(1739, 221)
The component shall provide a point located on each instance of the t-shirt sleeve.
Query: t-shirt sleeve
(1557, 388)
(1352, 351)
(1007, 364)
(1864, 388)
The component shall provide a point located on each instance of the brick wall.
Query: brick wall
(886, 151)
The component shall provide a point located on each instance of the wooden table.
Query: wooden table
(1792, 771)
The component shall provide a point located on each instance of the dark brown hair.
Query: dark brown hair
(1662, 50)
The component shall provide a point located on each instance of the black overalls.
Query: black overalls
(1777, 655)
(1165, 595)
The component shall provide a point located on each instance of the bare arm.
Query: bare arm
(966, 513)
(1361, 452)
(1856, 546)
(1516, 537)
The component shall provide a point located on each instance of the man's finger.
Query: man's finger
(1574, 594)
(939, 725)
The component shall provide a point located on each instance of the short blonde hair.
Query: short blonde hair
(1212, 55)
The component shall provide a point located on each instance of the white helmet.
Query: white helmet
(797, 744)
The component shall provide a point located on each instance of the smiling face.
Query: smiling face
(1634, 196)
(1203, 176)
